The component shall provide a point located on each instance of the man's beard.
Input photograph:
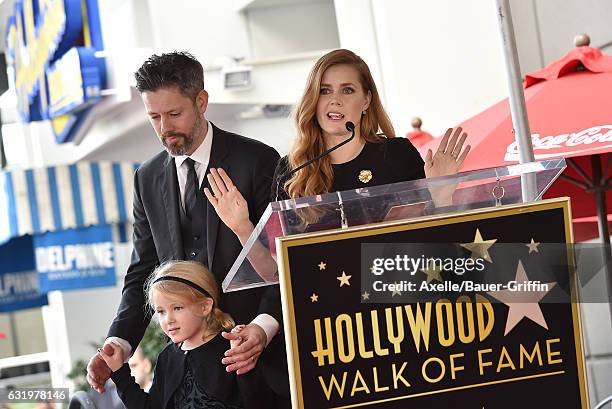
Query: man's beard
(185, 143)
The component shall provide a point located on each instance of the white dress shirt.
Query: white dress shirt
(201, 157)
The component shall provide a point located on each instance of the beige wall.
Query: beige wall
(440, 60)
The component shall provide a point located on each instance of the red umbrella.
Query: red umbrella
(417, 136)
(570, 115)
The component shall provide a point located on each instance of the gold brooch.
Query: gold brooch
(365, 176)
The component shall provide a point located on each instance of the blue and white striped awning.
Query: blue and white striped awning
(55, 198)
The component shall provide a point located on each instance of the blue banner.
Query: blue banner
(19, 286)
(76, 258)
(51, 47)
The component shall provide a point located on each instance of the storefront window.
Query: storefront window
(22, 333)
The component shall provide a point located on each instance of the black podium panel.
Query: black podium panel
(349, 346)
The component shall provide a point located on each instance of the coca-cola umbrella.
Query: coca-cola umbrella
(570, 115)
(417, 136)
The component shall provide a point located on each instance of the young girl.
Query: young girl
(189, 372)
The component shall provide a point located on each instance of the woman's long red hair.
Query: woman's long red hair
(318, 177)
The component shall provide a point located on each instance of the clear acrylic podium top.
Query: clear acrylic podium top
(513, 184)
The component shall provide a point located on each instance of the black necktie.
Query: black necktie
(194, 225)
(191, 188)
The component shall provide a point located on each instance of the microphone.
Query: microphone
(349, 127)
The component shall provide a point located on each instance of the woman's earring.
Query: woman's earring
(363, 112)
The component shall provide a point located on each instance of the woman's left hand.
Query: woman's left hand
(450, 155)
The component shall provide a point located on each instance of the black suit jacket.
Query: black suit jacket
(157, 232)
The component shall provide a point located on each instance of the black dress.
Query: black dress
(193, 379)
(392, 160)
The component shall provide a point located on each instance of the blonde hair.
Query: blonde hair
(318, 177)
(198, 274)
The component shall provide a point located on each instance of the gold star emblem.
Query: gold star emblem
(322, 266)
(344, 279)
(396, 291)
(365, 296)
(533, 246)
(365, 176)
(432, 273)
(522, 303)
(314, 297)
(479, 247)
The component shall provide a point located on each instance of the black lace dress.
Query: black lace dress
(193, 379)
(390, 161)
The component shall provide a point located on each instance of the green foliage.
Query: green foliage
(78, 375)
(153, 341)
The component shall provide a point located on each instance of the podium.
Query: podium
(456, 291)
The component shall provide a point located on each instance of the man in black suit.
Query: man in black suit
(174, 221)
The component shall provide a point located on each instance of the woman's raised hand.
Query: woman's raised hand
(228, 202)
(449, 156)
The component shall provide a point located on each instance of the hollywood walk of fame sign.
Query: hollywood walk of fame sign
(362, 345)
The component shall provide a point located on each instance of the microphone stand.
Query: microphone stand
(343, 220)
(349, 127)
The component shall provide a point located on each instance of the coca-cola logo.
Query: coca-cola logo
(596, 137)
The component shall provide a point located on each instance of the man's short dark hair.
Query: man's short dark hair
(176, 69)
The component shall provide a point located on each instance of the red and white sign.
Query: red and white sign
(585, 142)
